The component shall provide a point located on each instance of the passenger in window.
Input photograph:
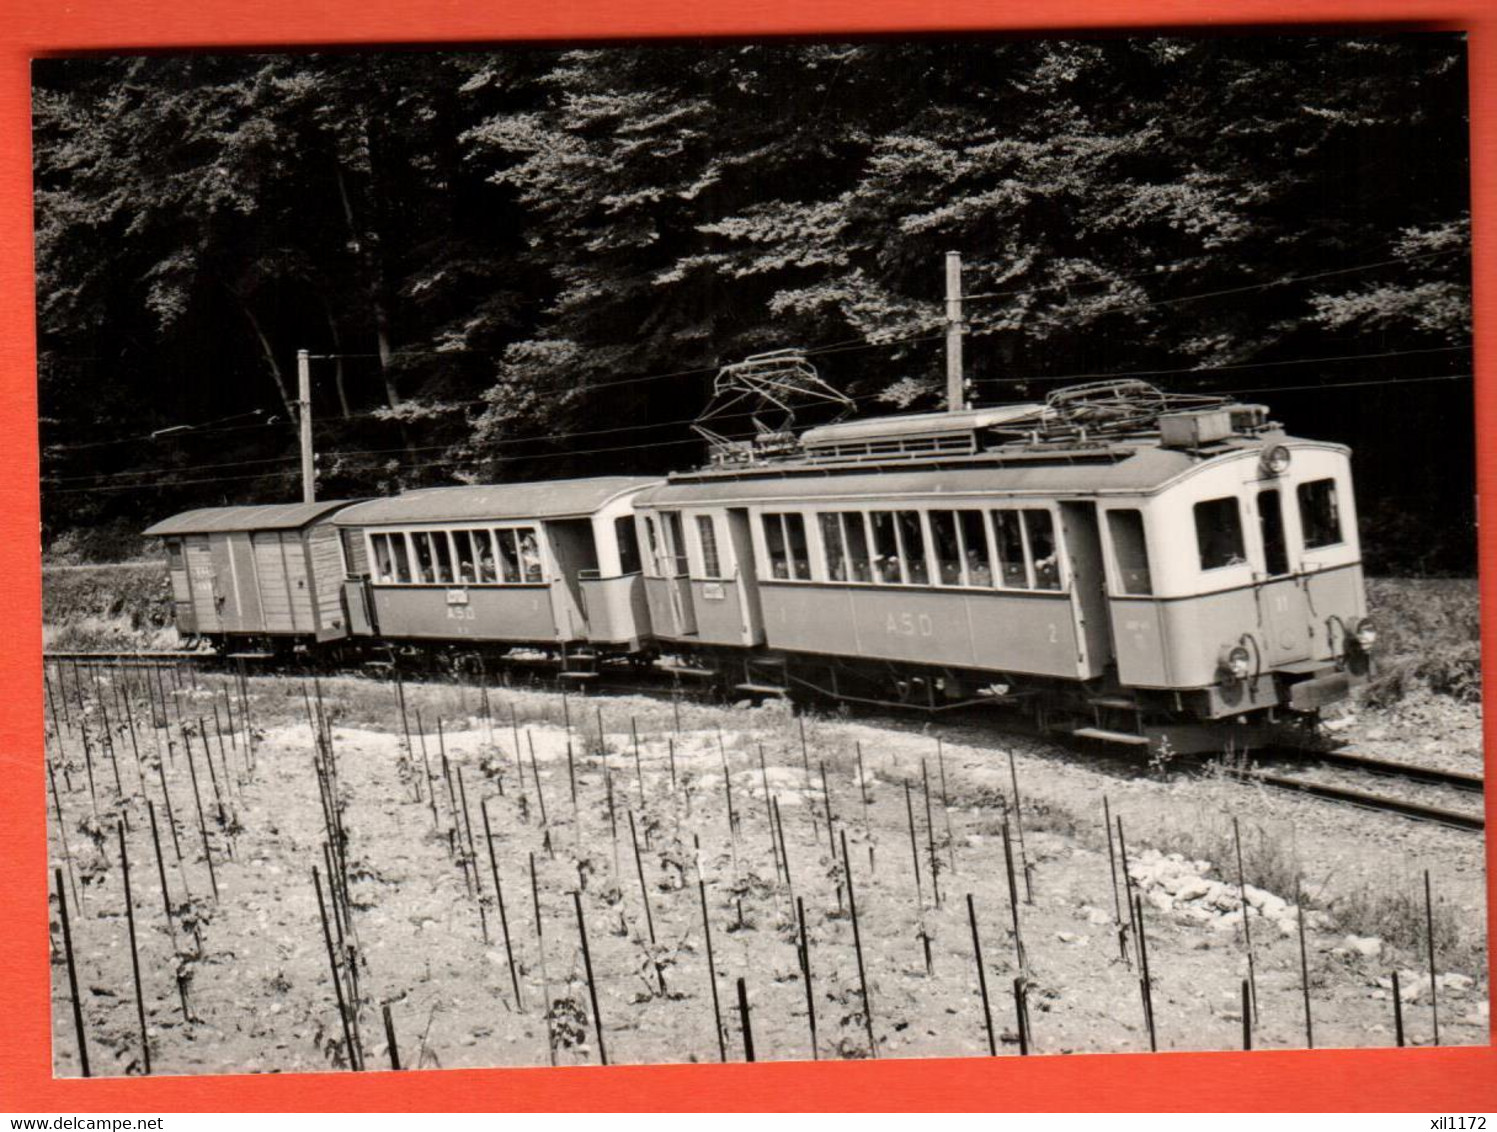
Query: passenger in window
(979, 573)
(530, 556)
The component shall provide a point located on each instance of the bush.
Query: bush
(122, 607)
(116, 541)
(1429, 638)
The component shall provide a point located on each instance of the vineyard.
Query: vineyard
(277, 873)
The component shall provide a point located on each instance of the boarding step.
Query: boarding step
(687, 670)
(1132, 738)
(577, 675)
(1121, 703)
(762, 689)
(250, 656)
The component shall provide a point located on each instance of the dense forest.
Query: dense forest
(529, 263)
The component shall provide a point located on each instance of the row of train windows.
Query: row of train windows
(1219, 533)
(506, 556)
(1009, 549)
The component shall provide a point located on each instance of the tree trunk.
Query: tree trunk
(337, 341)
(269, 354)
(366, 252)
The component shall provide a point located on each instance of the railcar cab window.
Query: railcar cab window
(1319, 513)
(1219, 533)
(785, 543)
(174, 554)
(1130, 550)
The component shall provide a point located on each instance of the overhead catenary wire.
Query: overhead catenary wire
(844, 346)
(574, 453)
(1023, 380)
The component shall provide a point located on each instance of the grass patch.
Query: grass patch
(1429, 638)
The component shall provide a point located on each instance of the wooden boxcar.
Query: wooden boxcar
(256, 576)
(545, 565)
(1127, 589)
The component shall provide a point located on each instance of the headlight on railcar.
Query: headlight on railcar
(1239, 663)
(1366, 633)
(1276, 460)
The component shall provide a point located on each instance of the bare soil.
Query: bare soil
(260, 997)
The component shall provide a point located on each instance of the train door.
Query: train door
(673, 566)
(229, 611)
(747, 575)
(204, 582)
(1283, 615)
(185, 616)
(1078, 524)
(575, 551)
(246, 583)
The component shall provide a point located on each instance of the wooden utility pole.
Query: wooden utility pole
(956, 393)
(304, 418)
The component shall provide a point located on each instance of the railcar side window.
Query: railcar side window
(483, 560)
(975, 548)
(384, 562)
(947, 546)
(425, 570)
(1040, 528)
(855, 530)
(1219, 533)
(885, 548)
(462, 549)
(831, 543)
(628, 540)
(1131, 550)
(912, 548)
(1010, 546)
(707, 535)
(509, 556)
(785, 540)
(530, 555)
(403, 572)
(961, 548)
(1319, 513)
(444, 557)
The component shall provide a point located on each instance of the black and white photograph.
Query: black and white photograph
(759, 550)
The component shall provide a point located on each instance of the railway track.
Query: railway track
(654, 681)
(1381, 769)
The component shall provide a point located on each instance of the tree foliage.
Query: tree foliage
(529, 263)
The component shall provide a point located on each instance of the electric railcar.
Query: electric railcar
(1115, 563)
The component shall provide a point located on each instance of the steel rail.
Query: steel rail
(1459, 819)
